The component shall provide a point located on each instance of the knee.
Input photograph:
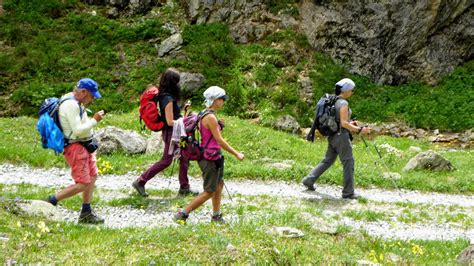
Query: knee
(328, 160)
(348, 162)
(81, 187)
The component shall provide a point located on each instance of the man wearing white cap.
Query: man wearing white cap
(212, 165)
(340, 143)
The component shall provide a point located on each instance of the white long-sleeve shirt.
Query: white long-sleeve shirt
(75, 128)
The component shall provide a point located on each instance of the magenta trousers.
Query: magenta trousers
(165, 161)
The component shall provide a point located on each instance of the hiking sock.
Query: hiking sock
(216, 213)
(184, 212)
(86, 207)
(53, 200)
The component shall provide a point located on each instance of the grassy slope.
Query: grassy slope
(48, 45)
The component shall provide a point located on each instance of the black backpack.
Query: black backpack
(325, 120)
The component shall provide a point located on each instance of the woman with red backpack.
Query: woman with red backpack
(168, 98)
(212, 164)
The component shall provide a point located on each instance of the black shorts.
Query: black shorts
(212, 173)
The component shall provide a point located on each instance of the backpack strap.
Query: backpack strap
(202, 114)
(81, 112)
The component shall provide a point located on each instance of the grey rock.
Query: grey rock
(306, 91)
(394, 258)
(366, 263)
(286, 232)
(414, 149)
(113, 13)
(173, 29)
(190, 82)
(115, 139)
(154, 144)
(281, 165)
(429, 160)
(40, 208)
(171, 43)
(467, 255)
(392, 42)
(391, 175)
(288, 123)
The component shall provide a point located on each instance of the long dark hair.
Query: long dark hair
(169, 83)
(337, 89)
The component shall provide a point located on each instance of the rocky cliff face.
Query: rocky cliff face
(391, 41)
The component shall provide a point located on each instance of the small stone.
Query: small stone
(286, 232)
(389, 175)
(414, 149)
(231, 248)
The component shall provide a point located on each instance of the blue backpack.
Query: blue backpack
(49, 126)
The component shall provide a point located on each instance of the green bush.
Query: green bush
(50, 44)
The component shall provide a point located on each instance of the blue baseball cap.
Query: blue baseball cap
(90, 85)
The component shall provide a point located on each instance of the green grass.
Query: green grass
(367, 215)
(33, 239)
(19, 143)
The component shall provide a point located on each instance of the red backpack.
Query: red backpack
(149, 110)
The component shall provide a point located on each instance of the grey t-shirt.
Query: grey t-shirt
(340, 103)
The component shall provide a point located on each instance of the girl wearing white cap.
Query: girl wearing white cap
(212, 166)
(340, 143)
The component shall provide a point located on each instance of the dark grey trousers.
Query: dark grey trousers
(338, 144)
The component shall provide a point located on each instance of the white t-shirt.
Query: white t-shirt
(75, 128)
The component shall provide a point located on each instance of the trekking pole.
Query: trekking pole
(382, 161)
(227, 191)
(171, 173)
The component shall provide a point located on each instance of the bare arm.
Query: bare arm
(169, 114)
(210, 122)
(344, 116)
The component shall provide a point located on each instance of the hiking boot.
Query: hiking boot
(187, 191)
(90, 218)
(48, 200)
(180, 217)
(308, 184)
(139, 188)
(217, 219)
(351, 197)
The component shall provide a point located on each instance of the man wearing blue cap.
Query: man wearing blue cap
(340, 144)
(79, 150)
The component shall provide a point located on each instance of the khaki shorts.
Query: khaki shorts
(212, 173)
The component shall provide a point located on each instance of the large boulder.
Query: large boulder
(113, 139)
(190, 82)
(171, 43)
(40, 208)
(429, 160)
(154, 143)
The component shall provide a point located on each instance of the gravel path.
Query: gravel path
(118, 217)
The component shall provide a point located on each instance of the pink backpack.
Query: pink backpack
(190, 147)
